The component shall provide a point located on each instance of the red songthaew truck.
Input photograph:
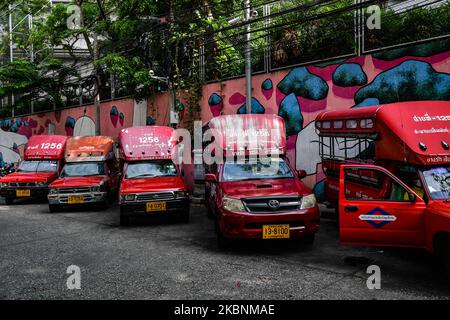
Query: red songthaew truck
(90, 175)
(152, 183)
(388, 169)
(254, 192)
(43, 160)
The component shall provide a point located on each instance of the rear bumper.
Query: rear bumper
(89, 198)
(236, 225)
(139, 208)
(35, 192)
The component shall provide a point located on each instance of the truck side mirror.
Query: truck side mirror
(301, 173)
(210, 177)
(412, 197)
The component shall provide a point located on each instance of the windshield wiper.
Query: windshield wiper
(143, 176)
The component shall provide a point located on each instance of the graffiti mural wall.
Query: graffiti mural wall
(15, 132)
(299, 94)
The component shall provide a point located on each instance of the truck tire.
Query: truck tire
(9, 200)
(223, 243)
(185, 216)
(209, 212)
(104, 205)
(309, 239)
(124, 220)
(53, 208)
(445, 258)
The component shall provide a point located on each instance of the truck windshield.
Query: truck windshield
(151, 169)
(256, 170)
(38, 166)
(83, 169)
(437, 180)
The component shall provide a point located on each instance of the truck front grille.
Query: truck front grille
(262, 204)
(155, 196)
(22, 184)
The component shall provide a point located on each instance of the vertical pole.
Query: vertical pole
(248, 61)
(267, 52)
(170, 78)
(113, 86)
(97, 91)
(30, 26)
(11, 51)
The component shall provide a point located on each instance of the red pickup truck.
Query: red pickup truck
(152, 184)
(43, 160)
(90, 175)
(388, 168)
(254, 192)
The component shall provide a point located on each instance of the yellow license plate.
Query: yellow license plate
(279, 231)
(23, 193)
(156, 206)
(75, 199)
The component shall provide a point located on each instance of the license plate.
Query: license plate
(75, 199)
(156, 206)
(23, 193)
(279, 231)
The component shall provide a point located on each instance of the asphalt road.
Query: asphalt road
(169, 260)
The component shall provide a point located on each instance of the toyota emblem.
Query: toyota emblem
(273, 204)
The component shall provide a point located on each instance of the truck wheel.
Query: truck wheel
(124, 220)
(53, 208)
(209, 212)
(184, 216)
(309, 239)
(223, 242)
(445, 257)
(9, 200)
(104, 205)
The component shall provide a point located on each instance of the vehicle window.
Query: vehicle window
(410, 176)
(83, 169)
(256, 170)
(373, 185)
(437, 181)
(38, 166)
(151, 169)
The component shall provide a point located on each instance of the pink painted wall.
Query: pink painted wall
(14, 133)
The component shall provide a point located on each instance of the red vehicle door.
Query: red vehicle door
(376, 208)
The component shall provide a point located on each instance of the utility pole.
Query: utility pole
(248, 61)
(11, 51)
(97, 89)
(170, 73)
(30, 26)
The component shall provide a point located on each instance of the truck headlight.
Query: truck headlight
(233, 204)
(53, 191)
(95, 189)
(181, 194)
(40, 184)
(128, 197)
(3, 184)
(308, 201)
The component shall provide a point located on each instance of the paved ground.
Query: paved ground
(181, 261)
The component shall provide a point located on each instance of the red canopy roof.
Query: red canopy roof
(415, 132)
(45, 147)
(88, 148)
(250, 133)
(147, 142)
